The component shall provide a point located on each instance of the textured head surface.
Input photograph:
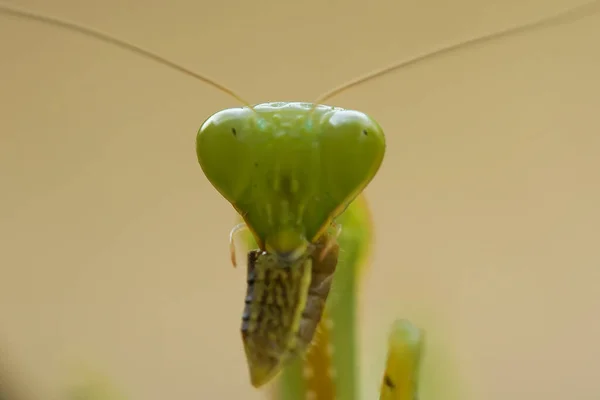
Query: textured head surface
(289, 171)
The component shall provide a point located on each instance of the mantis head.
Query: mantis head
(289, 168)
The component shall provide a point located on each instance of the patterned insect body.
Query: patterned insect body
(284, 304)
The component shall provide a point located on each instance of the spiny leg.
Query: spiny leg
(331, 241)
(401, 376)
(236, 229)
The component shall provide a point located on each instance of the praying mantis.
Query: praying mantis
(347, 210)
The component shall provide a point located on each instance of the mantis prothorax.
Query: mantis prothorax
(292, 171)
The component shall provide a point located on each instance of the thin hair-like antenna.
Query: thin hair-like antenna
(562, 16)
(13, 12)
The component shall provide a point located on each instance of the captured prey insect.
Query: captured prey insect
(284, 305)
(290, 170)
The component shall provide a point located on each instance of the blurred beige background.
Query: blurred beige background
(114, 246)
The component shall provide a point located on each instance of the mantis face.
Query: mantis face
(289, 168)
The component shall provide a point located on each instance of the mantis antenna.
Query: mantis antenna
(574, 13)
(119, 43)
(570, 14)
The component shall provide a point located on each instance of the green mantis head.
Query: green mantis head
(289, 168)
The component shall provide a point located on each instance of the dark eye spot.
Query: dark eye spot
(256, 164)
(233, 131)
(388, 382)
(365, 132)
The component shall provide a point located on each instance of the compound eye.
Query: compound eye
(222, 150)
(357, 122)
(353, 147)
